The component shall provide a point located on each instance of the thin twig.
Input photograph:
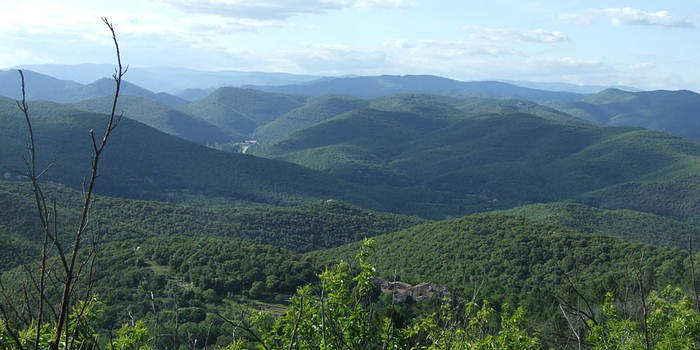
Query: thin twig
(244, 327)
(640, 281)
(68, 285)
(691, 255)
(8, 329)
(571, 326)
(296, 324)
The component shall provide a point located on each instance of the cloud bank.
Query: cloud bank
(498, 34)
(276, 9)
(629, 16)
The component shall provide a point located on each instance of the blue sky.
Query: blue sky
(647, 44)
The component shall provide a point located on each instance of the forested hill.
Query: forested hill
(318, 225)
(522, 262)
(241, 111)
(159, 116)
(142, 162)
(499, 160)
(626, 224)
(675, 112)
(189, 278)
(518, 258)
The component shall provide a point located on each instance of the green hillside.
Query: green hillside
(519, 261)
(187, 276)
(313, 111)
(431, 103)
(500, 160)
(625, 224)
(356, 145)
(675, 112)
(158, 116)
(319, 225)
(239, 111)
(142, 162)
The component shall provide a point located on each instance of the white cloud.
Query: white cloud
(558, 63)
(382, 3)
(635, 16)
(498, 34)
(336, 59)
(629, 16)
(459, 48)
(641, 66)
(276, 9)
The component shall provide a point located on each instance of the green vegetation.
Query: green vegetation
(486, 161)
(159, 116)
(170, 282)
(516, 257)
(313, 111)
(238, 111)
(626, 224)
(370, 137)
(521, 262)
(192, 292)
(346, 314)
(145, 163)
(314, 226)
(425, 155)
(185, 276)
(674, 112)
(452, 106)
(673, 323)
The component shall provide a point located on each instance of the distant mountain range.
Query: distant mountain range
(378, 86)
(169, 79)
(675, 112)
(579, 89)
(234, 114)
(44, 87)
(176, 79)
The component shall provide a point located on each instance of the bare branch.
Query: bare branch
(48, 167)
(645, 315)
(9, 330)
(571, 326)
(590, 314)
(323, 313)
(69, 281)
(691, 256)
(296, 324)
(244, 327)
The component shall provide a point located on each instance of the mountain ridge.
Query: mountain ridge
(674, 112)
(382, 85)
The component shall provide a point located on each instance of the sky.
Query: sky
(644, 44)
